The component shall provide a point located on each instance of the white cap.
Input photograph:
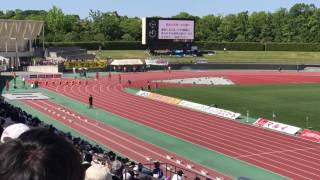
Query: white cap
(14, 131)
(97, 172)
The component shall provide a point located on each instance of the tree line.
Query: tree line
(300, 23)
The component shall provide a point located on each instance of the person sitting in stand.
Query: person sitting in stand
(178, 176)
(42, 155)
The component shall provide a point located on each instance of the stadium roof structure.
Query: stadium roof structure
(17, 32)
(20, 29)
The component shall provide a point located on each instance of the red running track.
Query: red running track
(121, 142)
(289, 156)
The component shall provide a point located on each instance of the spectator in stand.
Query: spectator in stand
(39, 154)
(157, 171)
(116, 166)
(178, 175)
(13, 131)
(98, 170)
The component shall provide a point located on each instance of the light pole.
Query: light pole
(273, 116)
(16, 60)
(307, 122)
(248, 116)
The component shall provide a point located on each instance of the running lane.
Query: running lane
(286, 155)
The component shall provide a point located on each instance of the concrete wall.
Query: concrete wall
(52, 69)
(235, 66)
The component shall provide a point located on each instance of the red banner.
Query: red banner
(311, 135)
(261, 122)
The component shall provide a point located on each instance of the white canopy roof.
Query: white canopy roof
(4, 60)
(122, 62)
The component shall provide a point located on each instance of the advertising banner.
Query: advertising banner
(209, 109)
(265, 123)
(311, 135)
(158, 97)
(156, 62)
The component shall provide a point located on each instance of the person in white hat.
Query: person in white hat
(13, 131)
(98, 171)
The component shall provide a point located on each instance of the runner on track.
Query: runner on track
(7, 85)
(97, 75)
(119, 78)
(109, 76)
(149, 86)
(90, 101)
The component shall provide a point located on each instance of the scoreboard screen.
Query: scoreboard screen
(160, 31)
(176, 29)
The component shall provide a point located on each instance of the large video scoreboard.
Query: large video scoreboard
(167, 31)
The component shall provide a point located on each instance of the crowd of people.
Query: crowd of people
(31, 149)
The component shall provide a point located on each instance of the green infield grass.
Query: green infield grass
(298, 105)
(275, 57)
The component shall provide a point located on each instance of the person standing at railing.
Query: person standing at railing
(157, 171)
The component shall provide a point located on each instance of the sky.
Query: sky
(145, 8)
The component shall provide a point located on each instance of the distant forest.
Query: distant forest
(300, 23)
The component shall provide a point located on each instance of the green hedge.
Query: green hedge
(293, 47)
(233, 46)
(108, 45)
(204, 45)
(87, 64)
